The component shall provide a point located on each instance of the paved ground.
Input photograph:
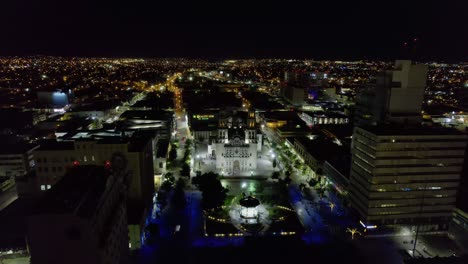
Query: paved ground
(18, 260)
(428, 245)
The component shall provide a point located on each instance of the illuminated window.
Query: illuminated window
(48, 186)
(43, 187)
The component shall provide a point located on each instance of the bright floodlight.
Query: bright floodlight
(249, 212)
(249, 207)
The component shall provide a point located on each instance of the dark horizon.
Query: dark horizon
(330, 31)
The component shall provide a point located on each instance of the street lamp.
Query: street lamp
(353, 231)
(198, 159)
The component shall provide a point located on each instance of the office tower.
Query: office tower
(83, 218)
(299, 86)
(406, 175)
(393, 96)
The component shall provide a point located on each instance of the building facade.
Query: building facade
(55, 158)
(394, 95)
(406, 176)
(16, 160)
(83, 218)
(237, 143)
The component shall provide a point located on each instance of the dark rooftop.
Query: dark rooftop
(321, 149)
(101, 106)
(146, 114)
(16, 148)
(46, 145)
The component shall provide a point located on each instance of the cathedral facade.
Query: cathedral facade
(237, 143)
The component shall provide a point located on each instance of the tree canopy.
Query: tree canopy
(213, 192)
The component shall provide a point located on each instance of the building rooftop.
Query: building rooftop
(146, 114)
(50, 145)
(101, 106)
(322, 149)
(16, 148)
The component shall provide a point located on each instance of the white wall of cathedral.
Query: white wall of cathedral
(246, 156)
(259, 142)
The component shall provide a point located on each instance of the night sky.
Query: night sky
(237, 29)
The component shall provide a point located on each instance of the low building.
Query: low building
(82, 219)
(325, 118)
(163, 122)
(315, 151)
(337, 171)
(16, 159)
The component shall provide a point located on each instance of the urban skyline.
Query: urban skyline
(337, 30)
(146, 132)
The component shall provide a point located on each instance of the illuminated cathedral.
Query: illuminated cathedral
(237, 143)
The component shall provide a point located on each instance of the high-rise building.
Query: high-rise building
(394, 95)
(83, 218)
(404, 175)
(298, 86)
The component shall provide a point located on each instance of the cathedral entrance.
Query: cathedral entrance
(236, 168)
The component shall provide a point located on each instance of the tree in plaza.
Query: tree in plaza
(303, 169)
(302, 186)
(287, 179)
(275, 175)
(319, 171)
(321, 190)
(213, 192)
(162, 199)
(297, 163)
(178, 197)
(313, 182)
(274, 145)
(188, 143)
(185, 171)
(187, 155)
(152, 231)
(169, 177)
(167, 185)
(173, 153)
